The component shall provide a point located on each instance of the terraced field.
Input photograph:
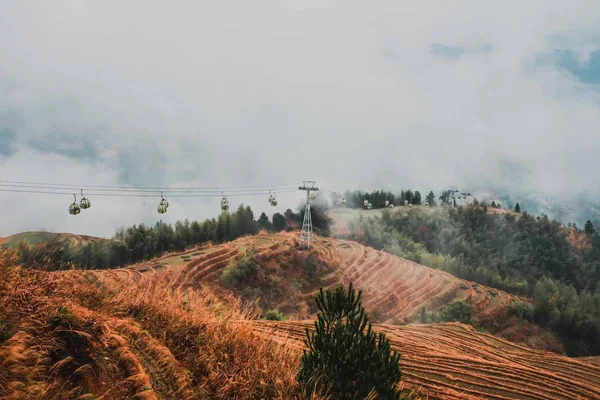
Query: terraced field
(445, 361)
(454, 361)
(394, 290)
(591, 360)
(187, 269)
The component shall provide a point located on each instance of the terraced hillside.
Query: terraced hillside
(192, 268)
(161, 330)
(454, 361)
(592, 360)
(394, 290)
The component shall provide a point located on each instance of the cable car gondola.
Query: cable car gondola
(163, 205)
(84, 203)
(163, 201)
(387, 203)
(271, 197)
(74, 208)
(273, 200)
(313, 197)
(224, 203)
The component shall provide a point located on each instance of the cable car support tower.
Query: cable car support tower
(306, 235)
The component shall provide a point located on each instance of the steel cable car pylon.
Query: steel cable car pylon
(306, 235)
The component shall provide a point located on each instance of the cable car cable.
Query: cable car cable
(193, 195)
(130, 190)
(124, 187)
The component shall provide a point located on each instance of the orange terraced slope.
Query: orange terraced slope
(397, 289)
(394, 290)
(446, 361)
(454, 361)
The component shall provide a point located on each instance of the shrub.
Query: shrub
(346, 359)
(239, 270)
(521, 309)
(274, 315)
(457, 311)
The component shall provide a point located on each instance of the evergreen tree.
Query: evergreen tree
(518, 208)
(244, 221)
(278, 222)
(589, 228)
(196, 230)
(430, 199)
(409, 196)
(445, 197)
(346, 359)
(292, 220)
(223, 228)
(264, 223)
(417, 198)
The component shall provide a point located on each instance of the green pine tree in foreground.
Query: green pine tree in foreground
(345, 358)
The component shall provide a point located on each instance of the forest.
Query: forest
(522, 254)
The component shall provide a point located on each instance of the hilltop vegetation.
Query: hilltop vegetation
(521, 254)
(137, 243)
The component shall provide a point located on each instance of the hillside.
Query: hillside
(35, 238)
(343, 217)
(66, 335)
(454, 361)
(170, 328)
(394, 290)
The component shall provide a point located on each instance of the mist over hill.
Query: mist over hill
(376, 96)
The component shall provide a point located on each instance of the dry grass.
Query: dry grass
(454, 361)
(105, 335)
(76, 338)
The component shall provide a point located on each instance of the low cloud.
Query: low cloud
(352, 96)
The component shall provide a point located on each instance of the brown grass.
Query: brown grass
(126, 334)
(149, 341)
(454, 361)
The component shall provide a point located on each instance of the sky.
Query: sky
(485, 96)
